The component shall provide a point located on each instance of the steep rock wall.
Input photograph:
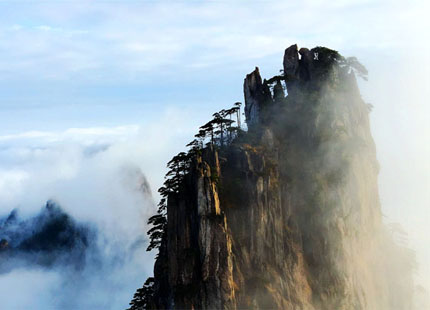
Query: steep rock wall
(288, 215)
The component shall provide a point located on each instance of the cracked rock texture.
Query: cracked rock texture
(288, 216)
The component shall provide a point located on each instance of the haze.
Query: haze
(88, 88)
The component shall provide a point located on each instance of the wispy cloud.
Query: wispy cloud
(103, 39)
(83, 135)
(104, 63)
(88, 172)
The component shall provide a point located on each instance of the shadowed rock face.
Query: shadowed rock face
(49, 238)
(287, 216)
(291, 61)
(257, 96)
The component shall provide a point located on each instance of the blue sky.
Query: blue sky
(103, 63)
(141, 76)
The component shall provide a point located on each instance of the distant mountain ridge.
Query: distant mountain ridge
(51, 237)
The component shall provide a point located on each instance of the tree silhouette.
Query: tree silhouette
(164, 192)
(209, 128)
(351, 63)
(178, 164)
(357, 67)
(194, 144)
(178, 167)
(201, 135)
(222, 123)
(158, 222)
(195, 148)
(142, 299)
(237, 110)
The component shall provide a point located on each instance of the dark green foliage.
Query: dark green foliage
(218, 129)
(351, 63)
(156, 233)
(159, 221)
(195, 148)
(328, 57)
(357, 67)
(142, 299)
(310, 129)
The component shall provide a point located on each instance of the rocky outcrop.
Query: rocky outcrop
(287, 216)
(291, 61)
(257, 97)
(50, 238)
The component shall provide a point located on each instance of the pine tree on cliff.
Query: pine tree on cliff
(209, 128)
(142, 298)
(178, 166)
(201, 135)
(156, 233)
(294, 212)
(236, 109)
(195, 148)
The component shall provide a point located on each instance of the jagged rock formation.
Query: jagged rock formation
(287, 216)
(50, 238)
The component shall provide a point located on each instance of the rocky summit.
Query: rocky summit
(283, 214)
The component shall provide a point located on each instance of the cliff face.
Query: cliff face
(287, 215)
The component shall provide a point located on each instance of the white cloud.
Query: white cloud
(24, 281)
(77, 165)
(47, 28)
(123, 41)
(129, 37)
(95, 175)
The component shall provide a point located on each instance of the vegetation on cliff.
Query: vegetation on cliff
(286, 214)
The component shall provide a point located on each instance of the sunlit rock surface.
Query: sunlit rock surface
(287, 216)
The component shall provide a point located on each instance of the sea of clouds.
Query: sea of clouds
(105, 177)
(95, 174)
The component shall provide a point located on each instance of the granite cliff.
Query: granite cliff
(286, 214)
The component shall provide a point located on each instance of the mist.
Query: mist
(400, 122)
(97, 177)
(62, 76)
(95, 186)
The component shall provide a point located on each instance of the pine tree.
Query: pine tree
(143, 296)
